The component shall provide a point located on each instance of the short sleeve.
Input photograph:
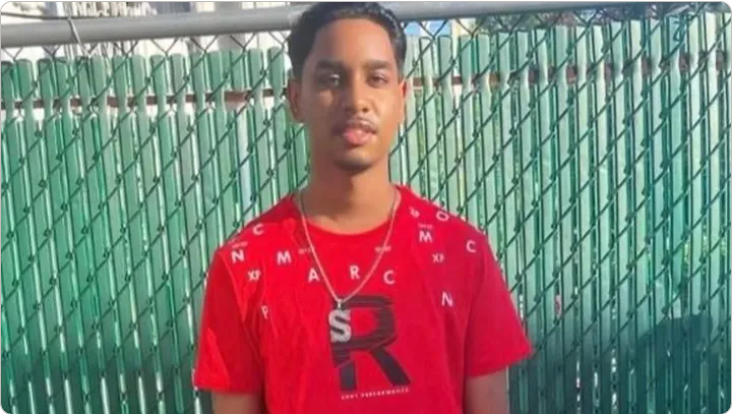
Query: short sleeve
(495, 338)
(227, 358)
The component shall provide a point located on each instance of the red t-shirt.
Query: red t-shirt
(436, 311)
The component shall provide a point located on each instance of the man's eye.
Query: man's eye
(329, 80)
(379, 80)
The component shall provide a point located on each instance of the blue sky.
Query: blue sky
(433, 26)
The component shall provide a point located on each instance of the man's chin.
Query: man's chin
(355, 164)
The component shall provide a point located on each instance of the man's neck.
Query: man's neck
(349, 203)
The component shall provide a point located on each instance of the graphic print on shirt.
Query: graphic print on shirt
(345, 345)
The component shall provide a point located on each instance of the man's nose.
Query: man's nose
(355, 96)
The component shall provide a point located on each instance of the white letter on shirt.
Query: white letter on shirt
(254, 275)
(265, 311)
(237, 256)
(471, 246)
(414, 213)
(447, 299)
(283, 257)
(388, 277)
(426, 236)
(355, 272)
(313, 276)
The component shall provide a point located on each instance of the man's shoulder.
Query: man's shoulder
(423, 209)
(272, 224)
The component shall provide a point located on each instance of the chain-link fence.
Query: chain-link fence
(592, 146)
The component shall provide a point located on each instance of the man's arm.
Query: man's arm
(487, 394)
(495, 341)
(236, 403)
(227, 361)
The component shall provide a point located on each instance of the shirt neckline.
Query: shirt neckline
(320, 232)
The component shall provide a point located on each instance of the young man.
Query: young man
(355, 295)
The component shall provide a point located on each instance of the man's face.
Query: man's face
(350, 96)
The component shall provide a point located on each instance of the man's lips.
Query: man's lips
(358, 124)
(356, 132)
(356, 136)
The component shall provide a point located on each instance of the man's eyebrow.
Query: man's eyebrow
(374, 64)
(328, 64)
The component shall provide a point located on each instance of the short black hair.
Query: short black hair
(303, 34)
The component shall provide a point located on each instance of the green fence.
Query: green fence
(596, 156)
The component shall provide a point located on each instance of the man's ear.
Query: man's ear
(403, 94)
(293, 93)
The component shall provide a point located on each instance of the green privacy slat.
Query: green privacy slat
(151, 265)
(40, 222)
(223, 130)
(398, 158)
(502, 110)
(396, 165)
(549, 280)
(80, 252)
(450, 142)
(202, 179)
(487, 195)
(525, 228)
(470, 139)
(658, 177)
(188, 258)
(428, 104)
(8, 92)
(109, 214)
(686, 177)
(33, 212)
(229, 160)
(617, 137)
(173, 291)
(242, 156)
(411, 128)
(6, 287)
(686, 191)
(260, 138)
(8, 377)
(702, 285)
(622, 138)
(300, 153)
(601, 180)
(565, 265)
(507, 243)
(586, 248)
(719, 256)
(205, 182)
(611, 214)
(220, 131)
(62, 154)
(280, 131)
(709, 281)
(641, 189)
(12, 305)
(248, 158)
(723, 328)
(126, 333)
(91, 202)
(57, 234)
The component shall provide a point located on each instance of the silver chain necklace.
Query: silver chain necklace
(341, 301)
